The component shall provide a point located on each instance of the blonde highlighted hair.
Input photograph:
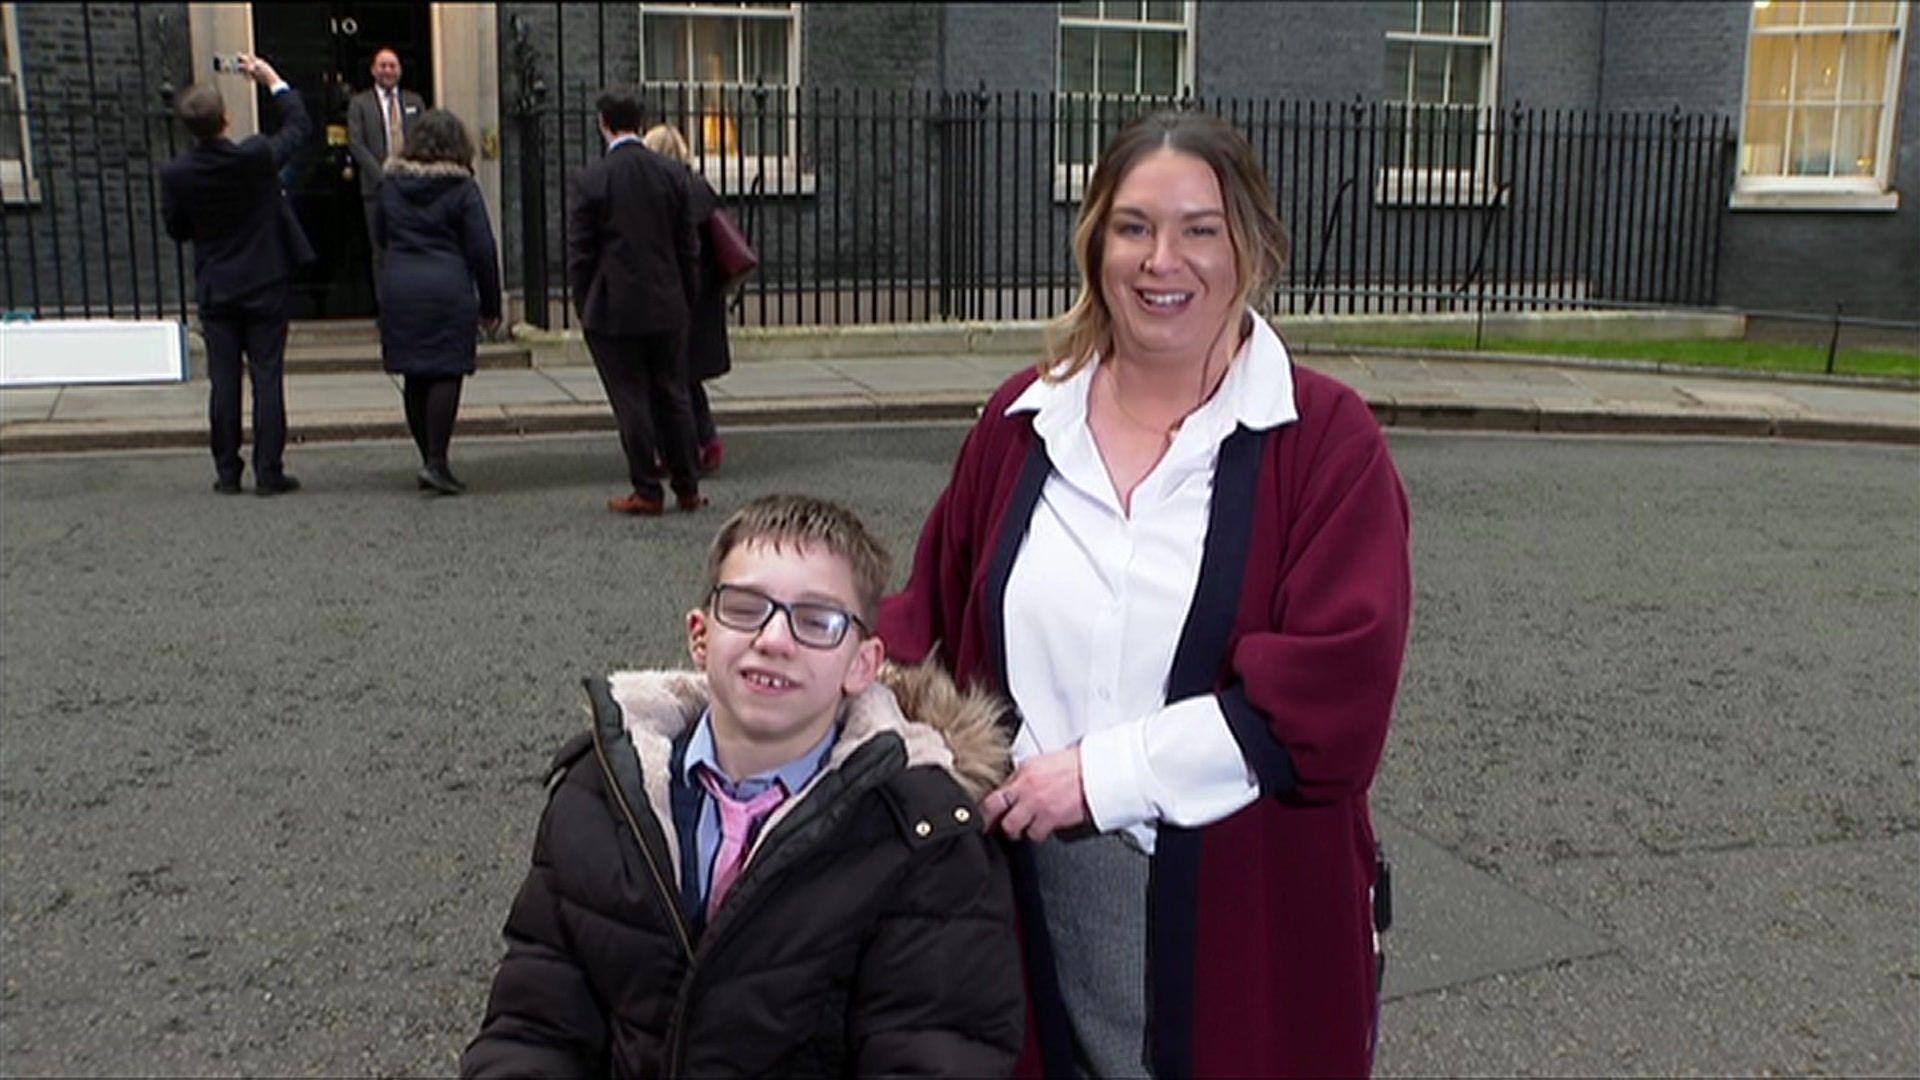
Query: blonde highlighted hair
(797, 522)
(1260, 244)
(666, 139)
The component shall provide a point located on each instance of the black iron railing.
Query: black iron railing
(880, 206)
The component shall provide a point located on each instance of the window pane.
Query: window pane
(9, 115)
(1810, 143)
(1771, 77)
(1117, 49)
(1856, 141)
(1467, 61)
(1864, 75)
(1824, 13)
(1124, 9)
(1430, 73)
(666, 57)
(766, 58)
(716, 50)
(1165, 11)
(1159, 63)
(1764, 152)
(1777, 13)
(1875, 13)
(1085, 9)
(1403, 15)
(1436, 16)
(1818, 75)
(1475, 16)
(1076, 60)
(1399, 59)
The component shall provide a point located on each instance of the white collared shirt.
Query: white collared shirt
(1097, 598)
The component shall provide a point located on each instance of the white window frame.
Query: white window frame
(782, 174)
(1869, 193)
(17, 182)
(1415, 186)
(1071, 177)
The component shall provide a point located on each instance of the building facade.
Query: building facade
(1759, 154)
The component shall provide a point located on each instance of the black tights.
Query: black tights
(432, 402)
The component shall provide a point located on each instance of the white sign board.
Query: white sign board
(62, 351)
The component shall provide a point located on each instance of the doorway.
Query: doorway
(324, 52)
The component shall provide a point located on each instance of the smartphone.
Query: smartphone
(228, 65)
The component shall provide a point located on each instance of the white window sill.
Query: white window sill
(734, 178)
(1834, 200)
(15, 191)
(1439, 188)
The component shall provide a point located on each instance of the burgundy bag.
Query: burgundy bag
(731, 252)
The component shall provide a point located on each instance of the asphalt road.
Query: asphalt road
(269, 768)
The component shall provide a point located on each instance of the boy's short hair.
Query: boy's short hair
(800, 521)
(202, 110)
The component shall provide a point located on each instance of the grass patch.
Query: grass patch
(1755, 355)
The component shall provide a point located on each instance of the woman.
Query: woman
(1186, 562)
(442, 282)
(707, 354)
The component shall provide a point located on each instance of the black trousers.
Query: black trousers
(703, 430)
(646, 377)
(253, 327)
(433, 402)
(373, 244)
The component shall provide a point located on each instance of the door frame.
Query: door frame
(459, 30)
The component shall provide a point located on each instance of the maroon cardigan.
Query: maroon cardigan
(1261, 959)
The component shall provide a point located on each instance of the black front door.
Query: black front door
(325, 52)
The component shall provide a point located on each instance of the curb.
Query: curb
(42, 437)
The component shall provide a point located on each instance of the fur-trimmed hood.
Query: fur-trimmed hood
(940, 724)
(937, 724)
(425, 183)
(399, 166)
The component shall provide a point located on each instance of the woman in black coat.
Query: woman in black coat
(708, 356)
(442, 282)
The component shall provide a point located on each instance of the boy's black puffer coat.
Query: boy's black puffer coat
(871, 931)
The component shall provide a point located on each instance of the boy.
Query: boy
(766, 867)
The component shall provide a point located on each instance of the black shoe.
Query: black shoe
(227, 487)
(277, 486)
(440, 480)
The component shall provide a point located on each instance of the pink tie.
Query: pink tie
(737, 820)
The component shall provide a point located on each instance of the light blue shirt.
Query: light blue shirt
(622, 141)
(700, 752)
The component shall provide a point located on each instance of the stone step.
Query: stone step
(308, 359)
(305, 332)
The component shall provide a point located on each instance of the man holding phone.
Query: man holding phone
(225, 199)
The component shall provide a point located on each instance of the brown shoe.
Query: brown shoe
(692, 502)
(636, 503)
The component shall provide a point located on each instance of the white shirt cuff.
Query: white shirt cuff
(1180, 765)
(278, 87)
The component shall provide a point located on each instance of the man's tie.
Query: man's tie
(738, 820)
(396, 134)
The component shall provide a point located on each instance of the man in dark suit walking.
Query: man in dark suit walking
(378, 120)
(632, 262)
(225, 198)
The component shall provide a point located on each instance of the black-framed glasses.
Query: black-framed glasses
(817, 626)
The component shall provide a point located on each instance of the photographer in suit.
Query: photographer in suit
(378, 121)
(225, 198)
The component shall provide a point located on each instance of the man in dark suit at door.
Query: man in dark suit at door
(632, 258)
(378, 120)
(225, 198)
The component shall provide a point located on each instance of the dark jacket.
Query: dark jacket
(871, 931)
(443, 271)
(225, 198)
(367, 134)
(632, 254)
(708, 356)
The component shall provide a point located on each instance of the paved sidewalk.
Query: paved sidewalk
(1412, 391)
